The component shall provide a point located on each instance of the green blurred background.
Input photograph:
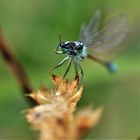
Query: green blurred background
(32, 28)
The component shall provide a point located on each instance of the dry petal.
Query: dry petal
(77, 96)
(58, 81)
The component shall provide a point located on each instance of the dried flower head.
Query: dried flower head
(54, 117)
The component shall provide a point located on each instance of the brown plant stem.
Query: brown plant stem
(17, 69)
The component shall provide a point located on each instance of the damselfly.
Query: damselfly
(93, 44)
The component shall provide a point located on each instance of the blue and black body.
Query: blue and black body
(98, 42)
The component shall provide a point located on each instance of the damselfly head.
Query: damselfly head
(64, 45)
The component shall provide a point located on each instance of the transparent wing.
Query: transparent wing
(89, 30)
(105, 42)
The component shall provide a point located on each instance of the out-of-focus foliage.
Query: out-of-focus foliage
(32, 28)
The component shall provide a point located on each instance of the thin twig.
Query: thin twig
(16, 68)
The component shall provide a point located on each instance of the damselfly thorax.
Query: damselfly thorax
(73, 49)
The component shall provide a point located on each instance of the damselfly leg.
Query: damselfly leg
(76, 70)
(78, 67)
(60, 64)
(68, 68)
(81, 71)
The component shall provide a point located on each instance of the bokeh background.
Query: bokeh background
(32, 28)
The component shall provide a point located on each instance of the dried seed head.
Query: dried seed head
(54, 117)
